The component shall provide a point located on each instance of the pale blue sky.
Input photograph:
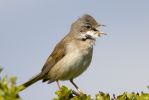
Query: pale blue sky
(29, 30)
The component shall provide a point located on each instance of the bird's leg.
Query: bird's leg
(80, 91)
(58, 84)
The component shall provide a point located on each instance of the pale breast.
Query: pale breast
(75, 62)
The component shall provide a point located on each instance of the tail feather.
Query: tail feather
(30, 82)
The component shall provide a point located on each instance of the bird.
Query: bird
(72, 55)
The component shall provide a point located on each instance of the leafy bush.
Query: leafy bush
(8, 88)
(66, 94)
(9, 91)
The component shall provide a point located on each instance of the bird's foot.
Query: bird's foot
(79, 93)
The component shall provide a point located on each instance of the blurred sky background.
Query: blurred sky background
(29, 30)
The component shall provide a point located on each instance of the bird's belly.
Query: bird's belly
(71, 66)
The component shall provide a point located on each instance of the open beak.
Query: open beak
(100, 33)
(95, 33)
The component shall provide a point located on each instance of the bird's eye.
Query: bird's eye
(87, 26)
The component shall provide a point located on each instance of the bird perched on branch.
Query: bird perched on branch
(72, 55)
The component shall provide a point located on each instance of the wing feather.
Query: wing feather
(57, 54)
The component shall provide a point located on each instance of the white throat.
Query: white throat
(92, 34)
(89, 34)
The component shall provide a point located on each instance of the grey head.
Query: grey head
(85, 28)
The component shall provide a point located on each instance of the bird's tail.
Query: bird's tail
(30, 82)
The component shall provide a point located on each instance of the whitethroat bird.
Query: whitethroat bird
(72, 55)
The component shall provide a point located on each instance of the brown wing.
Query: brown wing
(57, 54)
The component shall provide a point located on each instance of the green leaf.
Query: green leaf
(102, 96)
(1, 69)
(8, 89)
(63, 93)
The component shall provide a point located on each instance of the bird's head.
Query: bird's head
(86, 27)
